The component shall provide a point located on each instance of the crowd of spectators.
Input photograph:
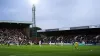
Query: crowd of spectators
(17, 37)
(14, 36)
(88, 39)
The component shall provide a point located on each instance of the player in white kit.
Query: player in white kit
(40, 43)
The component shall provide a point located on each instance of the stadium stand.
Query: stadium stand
(14, 32)
(83, 34)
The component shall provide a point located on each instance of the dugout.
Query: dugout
(24, 26)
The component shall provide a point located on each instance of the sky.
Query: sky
(53, 13)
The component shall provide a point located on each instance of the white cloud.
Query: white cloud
(9, 10)
(47, 24)
(55, 13)
(68, 13)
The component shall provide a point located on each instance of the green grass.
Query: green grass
(47, 50)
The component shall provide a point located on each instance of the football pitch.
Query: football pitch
(46, 50)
